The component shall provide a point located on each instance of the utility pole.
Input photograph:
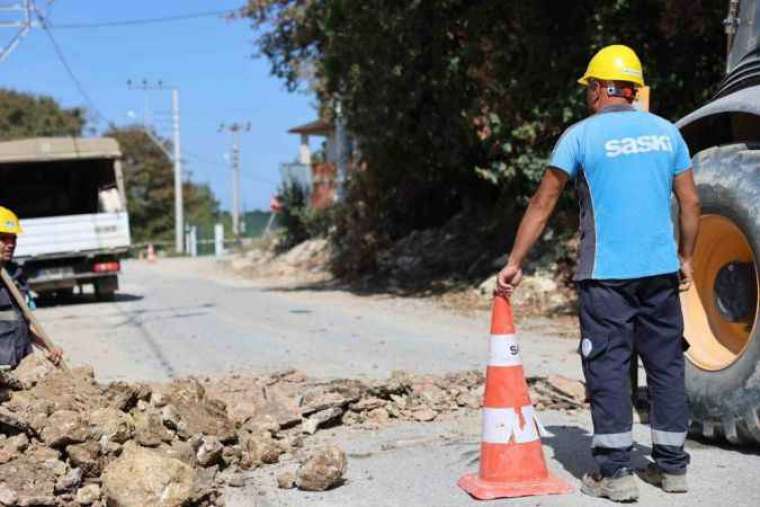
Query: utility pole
(178, 208)
(176, 157)
(27, 10)
(235, 129)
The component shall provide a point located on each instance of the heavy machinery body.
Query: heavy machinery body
(721, 311)
(734, 113)
(69, 195)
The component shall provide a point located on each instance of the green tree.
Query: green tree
(201, 206)
(26, 115)
(298, 219)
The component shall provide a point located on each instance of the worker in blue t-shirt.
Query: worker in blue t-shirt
(626, 165)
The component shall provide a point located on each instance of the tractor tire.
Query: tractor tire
(721, 309)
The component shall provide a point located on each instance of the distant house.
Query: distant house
(317, 172)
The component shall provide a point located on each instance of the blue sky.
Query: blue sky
(209, 59)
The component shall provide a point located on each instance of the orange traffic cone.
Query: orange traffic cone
(511, 459)
(151, 253)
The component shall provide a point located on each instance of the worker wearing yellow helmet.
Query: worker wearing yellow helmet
(626, 164)
(16, 336)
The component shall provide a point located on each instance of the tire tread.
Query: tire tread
(733, 173)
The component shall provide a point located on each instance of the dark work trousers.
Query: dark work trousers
(615, 317)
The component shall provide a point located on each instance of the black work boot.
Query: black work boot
(670, 483)
(620, 487)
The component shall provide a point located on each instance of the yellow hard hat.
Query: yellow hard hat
(9, 223)
(615, 63)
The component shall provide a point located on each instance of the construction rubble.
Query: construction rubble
(67, 440)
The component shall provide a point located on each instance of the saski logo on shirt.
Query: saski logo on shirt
(635, 145)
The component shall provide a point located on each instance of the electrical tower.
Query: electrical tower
(235, 129)
(20, 16)
(175, 157)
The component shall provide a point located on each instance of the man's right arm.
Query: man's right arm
(563, 165)
(688, 222)
(533, 223)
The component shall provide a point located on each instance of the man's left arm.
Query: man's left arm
(687, 196)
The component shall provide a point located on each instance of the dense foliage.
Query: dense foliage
(456, 104)
(26, 115)
(300, 221)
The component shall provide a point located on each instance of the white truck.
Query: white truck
(69, 195)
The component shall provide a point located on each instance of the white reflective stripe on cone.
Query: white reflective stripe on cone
(613, 440)
(504, 350)
(674, 438)
(500, 425)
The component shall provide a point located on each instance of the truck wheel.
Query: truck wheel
(721, 308)
(105, 288)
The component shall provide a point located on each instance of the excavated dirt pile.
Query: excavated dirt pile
(67, 440)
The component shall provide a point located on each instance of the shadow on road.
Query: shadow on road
(572, 449)
(696, 441)
(433, 288)
(82, 299)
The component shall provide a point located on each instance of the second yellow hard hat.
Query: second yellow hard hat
(615, 63)
(9, 223)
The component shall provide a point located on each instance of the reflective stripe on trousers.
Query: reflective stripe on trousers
(672, 438)
(613, 440)
(623, 440)
(9, 315)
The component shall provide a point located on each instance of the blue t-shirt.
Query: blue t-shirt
(623, 162)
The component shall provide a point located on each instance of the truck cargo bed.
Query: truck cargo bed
(73, 234)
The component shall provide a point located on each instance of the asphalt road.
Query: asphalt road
(191, 317)
(181, 317)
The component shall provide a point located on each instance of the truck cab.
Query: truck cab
(69, 195)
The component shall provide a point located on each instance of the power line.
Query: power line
(91, 103)
(62, 58)
(147, 21)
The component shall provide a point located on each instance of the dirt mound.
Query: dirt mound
(309, 261)
(67, 440)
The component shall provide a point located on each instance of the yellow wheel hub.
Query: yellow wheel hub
(721, 307)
